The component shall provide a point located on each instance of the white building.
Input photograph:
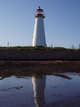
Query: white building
(39, 32)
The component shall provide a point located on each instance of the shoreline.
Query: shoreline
(29, 68)
(37, 60)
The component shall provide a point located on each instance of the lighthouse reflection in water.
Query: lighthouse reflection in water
(39, 84)
(39, 90)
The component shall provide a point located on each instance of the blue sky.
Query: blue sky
(62, 23)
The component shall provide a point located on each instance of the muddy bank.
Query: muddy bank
(25, 68)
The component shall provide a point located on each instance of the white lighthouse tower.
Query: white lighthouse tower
(39, 33)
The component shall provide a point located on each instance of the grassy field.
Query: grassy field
(37, 48)
(39, 53)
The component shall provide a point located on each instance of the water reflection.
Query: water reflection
(50, 89)
(39, 84)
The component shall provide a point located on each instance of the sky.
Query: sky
(62, 22)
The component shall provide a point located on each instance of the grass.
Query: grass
(37, 48)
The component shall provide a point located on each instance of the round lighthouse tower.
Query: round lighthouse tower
(39, 33)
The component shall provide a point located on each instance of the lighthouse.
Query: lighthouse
(39, 31)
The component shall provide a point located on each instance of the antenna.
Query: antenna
(39, 4)
(39, 7)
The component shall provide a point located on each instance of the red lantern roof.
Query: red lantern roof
(40, 15)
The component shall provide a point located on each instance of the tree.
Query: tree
(51, 45)
(79, 46)
(73, 47)
(8, 43)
